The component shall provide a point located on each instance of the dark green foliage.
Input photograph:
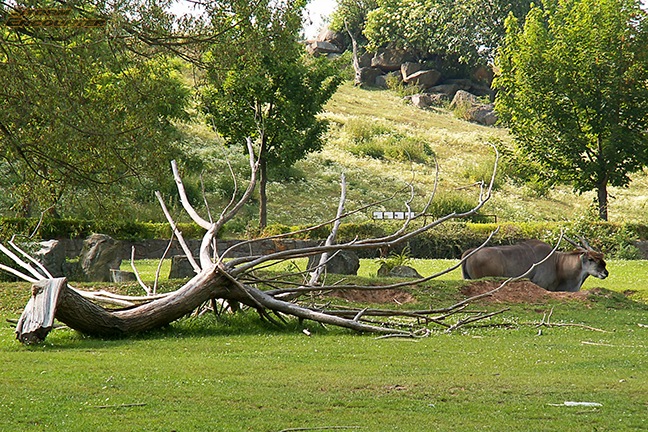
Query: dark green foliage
(265, 88)
(572, 88)
(81, 111)
(462, 34)
(76, 228)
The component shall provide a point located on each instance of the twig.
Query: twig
(611, 345)
(178, 234)
(159, 266)
(127, 405)
(474, 319)
(546, 318)
(147, 290)
(320, 428)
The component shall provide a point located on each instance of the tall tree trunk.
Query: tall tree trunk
(602, 180)
(603, 199)
(263, 198)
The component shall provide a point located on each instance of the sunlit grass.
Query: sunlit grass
(236, 373)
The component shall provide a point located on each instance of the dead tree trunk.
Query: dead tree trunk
(232, 280)
(37, 319)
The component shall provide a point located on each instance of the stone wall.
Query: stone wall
(154, 249)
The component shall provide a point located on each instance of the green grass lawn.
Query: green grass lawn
(238, 374)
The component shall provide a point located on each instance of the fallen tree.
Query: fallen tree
(235, 281)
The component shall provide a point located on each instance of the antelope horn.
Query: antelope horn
(572, 242)
(585, 243)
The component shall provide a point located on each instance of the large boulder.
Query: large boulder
(343, 262)
(483, 114)
(367, 76)
(424, 100)
(423, 78)
(448, 90)
(409, 68)
(335, 38)
(99, 255)
(181, 267)
(51, 255)
(463, 99)
(483, 75)
(364, 59)
(322, 47)
(390, 60)
(405, 272)
(472, 109)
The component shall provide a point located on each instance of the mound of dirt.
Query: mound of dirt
(519, 292)
(515, 292)
(375, 296)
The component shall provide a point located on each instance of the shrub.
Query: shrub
(76, 228)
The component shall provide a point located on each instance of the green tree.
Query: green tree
(265, 88)
(572, 87)
(80, 109)
(464, 32)
(351, 15)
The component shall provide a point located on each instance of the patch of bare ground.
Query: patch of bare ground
(520, 292)
(514, 292)
(375, 296)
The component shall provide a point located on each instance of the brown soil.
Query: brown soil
(375, 296)
(514, 292)
(519, 292)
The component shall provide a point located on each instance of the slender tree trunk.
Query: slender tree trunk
(601, 187)
(603, 199)
(263, 198)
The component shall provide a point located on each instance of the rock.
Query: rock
(122, 276)
(408, 68)
(52, 256)
(463, 99)
(404, 271)
(99, 255)
(364, 59)
(463, 83)
(381, 81)
(343, 262)
(472, 110)
(424, 100)
(329, 36)
(322, 47)
(482, 114)
(423, 78)
(483, 74)
(481, 90)
(390, 60)
(367, 76)
(446, 89)
(181, 268)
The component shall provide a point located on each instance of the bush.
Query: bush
(75, 228)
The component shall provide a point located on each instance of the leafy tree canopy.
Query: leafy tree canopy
(266, 88)
(83, 107)
(351, 15)
(573, 88)
(466, 31)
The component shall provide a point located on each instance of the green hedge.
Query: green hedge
(76, 228)
(448, 240)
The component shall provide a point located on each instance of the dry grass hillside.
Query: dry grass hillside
(364, 119)
(381, 144)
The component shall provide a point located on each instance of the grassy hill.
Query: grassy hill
(381, 144)
(364, 120)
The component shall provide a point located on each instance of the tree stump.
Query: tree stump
(37, 319)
